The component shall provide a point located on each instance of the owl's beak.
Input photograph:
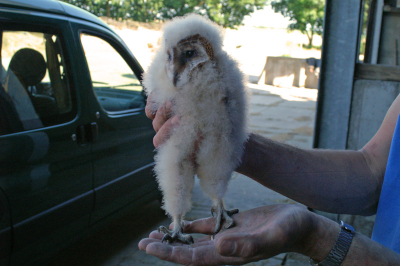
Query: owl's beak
(196, 64)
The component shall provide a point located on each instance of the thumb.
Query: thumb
(238, 245)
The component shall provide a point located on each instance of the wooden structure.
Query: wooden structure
(288, 71)
(355, 95)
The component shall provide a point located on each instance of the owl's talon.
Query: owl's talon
(167, 238)
(172, 236)
(224, 216)
(230, 224)
(163, 229)
(213, 211)
(232, 212)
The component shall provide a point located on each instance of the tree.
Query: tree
(139, 10)
(227, 13)
(173, 8)
(307, 15)
(230, 13)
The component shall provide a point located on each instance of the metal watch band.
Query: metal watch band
(339, 250)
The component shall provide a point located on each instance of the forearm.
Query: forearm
(328, 180)
(362, 251)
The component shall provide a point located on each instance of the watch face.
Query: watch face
(347, 227)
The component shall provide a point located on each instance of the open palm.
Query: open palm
(258, 234)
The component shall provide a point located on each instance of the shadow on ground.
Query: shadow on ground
(112, 244)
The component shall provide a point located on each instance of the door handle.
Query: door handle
(94, 131)
(87, 133)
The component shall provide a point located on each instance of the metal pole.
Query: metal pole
(339, 53)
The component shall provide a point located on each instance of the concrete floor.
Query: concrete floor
(283, 114)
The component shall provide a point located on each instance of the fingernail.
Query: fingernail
(186, 224)
(227, 248)
(175, 120)
(168, 105)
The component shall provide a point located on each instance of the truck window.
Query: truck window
(116, 86)
(34, 89)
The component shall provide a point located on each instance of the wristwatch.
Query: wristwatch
(339, 250)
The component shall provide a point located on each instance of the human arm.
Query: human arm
(329, 180)
(265, 232)
(326, 180)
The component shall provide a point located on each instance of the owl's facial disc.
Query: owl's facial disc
(187, 56)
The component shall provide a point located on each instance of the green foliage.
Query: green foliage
(308, 47)
(173, 8)
(364, 26)
(228, 13)
(307, 15)
(139, 10)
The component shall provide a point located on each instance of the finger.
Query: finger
(180, 255)
(187, 255)
(162, 115)
(163, 132)
(150, 113)
(204, 241)
(202, 226)
(168, 107)
(159, 118)
(156, 235)
(145, 242)
(197, 226)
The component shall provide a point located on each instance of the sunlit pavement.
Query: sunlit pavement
(283, 114)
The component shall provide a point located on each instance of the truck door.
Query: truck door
(45, 160)
(123, 153)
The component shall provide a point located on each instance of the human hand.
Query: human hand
(258, 234)
(162, 121)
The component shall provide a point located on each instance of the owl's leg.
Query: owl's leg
(223, 215)
(175, 175)
(215, 167)
(176, 234)
(215, 187)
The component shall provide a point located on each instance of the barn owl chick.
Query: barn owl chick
(208, 94)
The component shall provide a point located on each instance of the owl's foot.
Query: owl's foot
(223, 215)
(171, 236)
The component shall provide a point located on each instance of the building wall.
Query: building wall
(370, 103)
(287, 72)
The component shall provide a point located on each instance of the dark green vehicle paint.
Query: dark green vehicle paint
(55, 183)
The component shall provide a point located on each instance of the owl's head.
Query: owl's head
(189, 43)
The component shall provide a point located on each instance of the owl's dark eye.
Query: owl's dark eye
(169, 56)
(189, 53)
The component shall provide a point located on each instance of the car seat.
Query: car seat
(30, 68)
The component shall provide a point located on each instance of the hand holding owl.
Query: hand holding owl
(259, 234)
(162, 121)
